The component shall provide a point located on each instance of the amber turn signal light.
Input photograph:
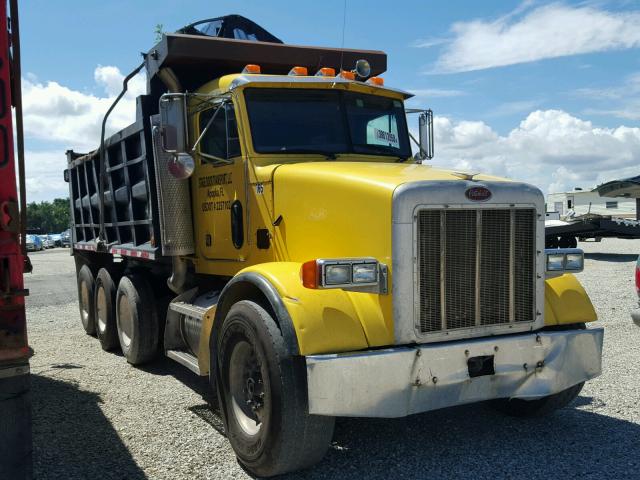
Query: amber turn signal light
(347, 75)
(377, 81)
(298, 71)
(326, 72)
(251, 68)
(310, 274)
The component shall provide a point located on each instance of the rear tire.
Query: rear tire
(137, 320)
(264, 396)
(517, 407)
(86, 288)
(105, 310)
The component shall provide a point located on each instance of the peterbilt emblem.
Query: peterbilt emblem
(478, 194)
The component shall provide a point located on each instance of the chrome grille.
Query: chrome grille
(475, 268)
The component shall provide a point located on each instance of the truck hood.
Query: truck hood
(383, 175)
(343, 209)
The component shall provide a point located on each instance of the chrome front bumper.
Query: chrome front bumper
(400, 381)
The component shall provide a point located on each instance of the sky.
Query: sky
(542, 92)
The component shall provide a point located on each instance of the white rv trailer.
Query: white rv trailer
(582, 202)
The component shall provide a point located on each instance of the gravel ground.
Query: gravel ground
(97, 417)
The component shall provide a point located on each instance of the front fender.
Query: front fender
(325, 321)
(566, 302)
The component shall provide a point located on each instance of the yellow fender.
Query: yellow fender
(325, 321)
(566, 302)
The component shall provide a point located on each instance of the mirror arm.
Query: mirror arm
(206, 128)
(421, 154)
(217, 159)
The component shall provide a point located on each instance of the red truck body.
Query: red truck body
(13, 330)
(15, 403)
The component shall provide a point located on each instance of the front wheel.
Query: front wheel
(264, 396)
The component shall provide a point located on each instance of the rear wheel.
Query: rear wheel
(265, 398)
(86, 287)
(105, 310)
(137, 320)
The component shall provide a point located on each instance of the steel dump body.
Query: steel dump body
(130, 213)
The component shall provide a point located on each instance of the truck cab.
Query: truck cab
(267, 213)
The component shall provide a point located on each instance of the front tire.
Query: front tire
(137, 320)
(264, 396)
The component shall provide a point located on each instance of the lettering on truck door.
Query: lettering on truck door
(220, 187)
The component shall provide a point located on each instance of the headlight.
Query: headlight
(575, 261)
(357, 274)
(561, 260)
(365, 273)
(337, 274)
(555, 262)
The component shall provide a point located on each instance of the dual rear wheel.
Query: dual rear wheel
(121, 314)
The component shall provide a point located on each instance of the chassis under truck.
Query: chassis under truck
(265, 224)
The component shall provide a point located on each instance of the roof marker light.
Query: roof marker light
(326, 72)
(299, 71)
(377, 81)
(251, 68)
(347, 75)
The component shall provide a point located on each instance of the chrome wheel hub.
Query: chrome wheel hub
(247, 388)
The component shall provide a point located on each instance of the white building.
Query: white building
(589, 201)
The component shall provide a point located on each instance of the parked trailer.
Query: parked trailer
(566, 233)
(265, 224)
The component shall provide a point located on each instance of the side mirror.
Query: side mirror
(181, 166)
(173, 123)
(425, 125)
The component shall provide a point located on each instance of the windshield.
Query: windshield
(327, 122)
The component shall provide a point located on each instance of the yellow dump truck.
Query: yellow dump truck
(265, 223)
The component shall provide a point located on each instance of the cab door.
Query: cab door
(220, 196)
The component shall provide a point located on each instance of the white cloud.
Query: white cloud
(57, 118)
(550, 149)
(429, 42)
(622, 101)
(436, 92)
(44, 175)
(55, 113)
(548, 31)
(512, 108)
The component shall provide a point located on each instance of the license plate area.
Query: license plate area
(481, 366)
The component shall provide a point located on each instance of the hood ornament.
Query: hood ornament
(464, 176)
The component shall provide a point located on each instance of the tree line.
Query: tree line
(48, 217)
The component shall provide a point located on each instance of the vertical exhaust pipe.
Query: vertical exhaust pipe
(178, 279)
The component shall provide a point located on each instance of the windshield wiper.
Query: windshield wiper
(328, 155)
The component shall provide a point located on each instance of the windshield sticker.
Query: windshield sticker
(386, 138)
